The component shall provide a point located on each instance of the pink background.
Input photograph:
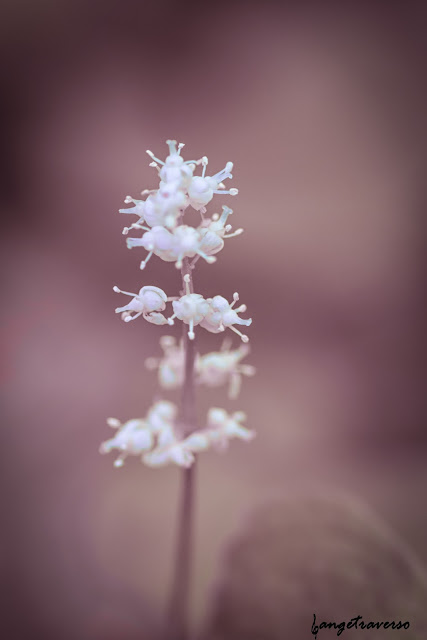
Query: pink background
(320, 109)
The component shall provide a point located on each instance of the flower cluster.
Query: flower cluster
(158, 438)
(214, 369)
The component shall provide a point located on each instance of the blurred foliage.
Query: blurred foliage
(324, 555)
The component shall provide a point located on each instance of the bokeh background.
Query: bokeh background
(320, 106)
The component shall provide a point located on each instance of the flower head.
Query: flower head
(171, 365)
(221, 315)
(148, 302)
(202, 188)
(223, 367)
(222, 427)
(134, 437)
(138, 436)
(191, 308)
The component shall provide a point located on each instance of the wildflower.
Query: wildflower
(202, 189)
(191, 308)
(138, 436)
(161, 417)
(174, 451)
(174, 170)
(223, 367)
(134, 437)
(165, 206)
(157, 240)
(162, 207)
(184, 241)
(222, 427)
(171, 366)
(214, 230)
(221, 315)
(148, 303)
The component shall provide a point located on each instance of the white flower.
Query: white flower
(221, 315)
(134, 437)
(213, 231)
(157, 240)
(138, 436)
(202, 189)
(162, 207)
(148, 302)
(174, 170)
(161, 417)
(171, 366)
(187, 244)
(138, 209)
(191, 308)
(223, 367)
(165, 206)
(184, 241)
(175, 452)
(222, 427)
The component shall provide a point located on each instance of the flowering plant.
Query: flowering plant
(169, 433)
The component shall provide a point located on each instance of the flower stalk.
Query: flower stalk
(169, 434)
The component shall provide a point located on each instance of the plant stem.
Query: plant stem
(178, 627)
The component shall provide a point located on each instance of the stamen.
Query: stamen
(114, 423)
(129, 318)
(243, 337)
(117, 290)
(180, 146)
(238, 232)
(231, 192)
(120, 460)
(144, 262)
(156, 166)
(151, 154)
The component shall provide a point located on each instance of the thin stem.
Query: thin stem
(178, 628)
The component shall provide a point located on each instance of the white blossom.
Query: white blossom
(171, 365)
(174, 452)
(160, 215)
(174, 170)
(191, 308)
(223, 367)
(134, 437)
(161, 417)
(214, 230)
(222, 427)
(172, 246)
(157, 240)
(138, 436)
(221, 315)
(202, 188)
(163, 207)
(148, 303)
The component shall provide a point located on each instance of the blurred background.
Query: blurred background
(321, 108)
